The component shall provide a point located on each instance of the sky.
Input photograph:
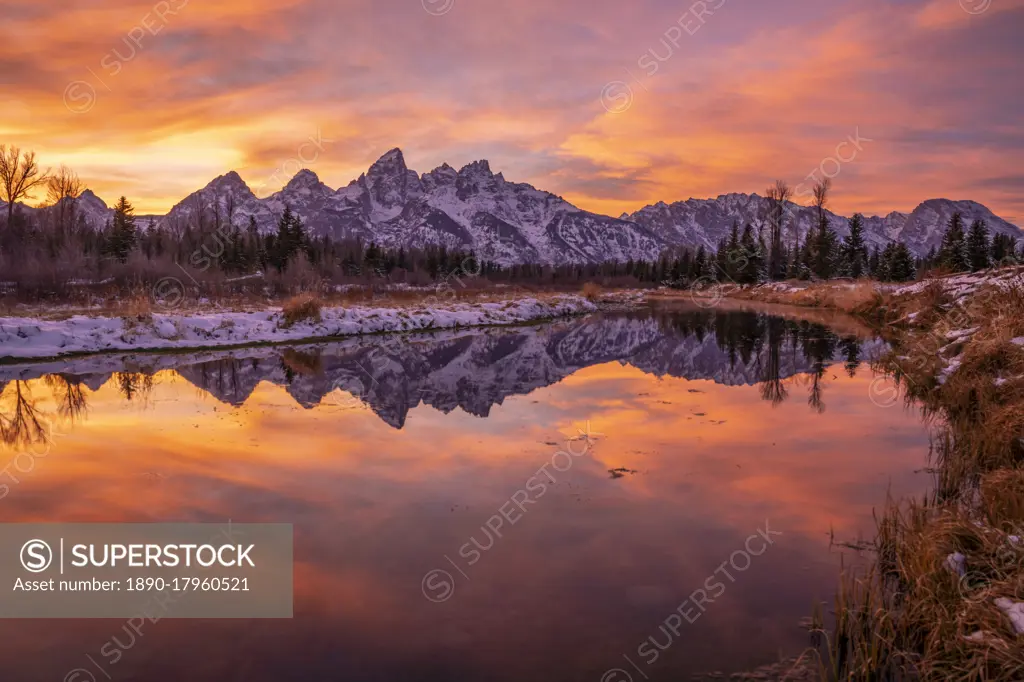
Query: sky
(612, 105)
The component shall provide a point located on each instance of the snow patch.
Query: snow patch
(1015, 610)
(34, 338)
(957, 563)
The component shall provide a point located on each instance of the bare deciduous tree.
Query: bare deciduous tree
(821, 189)
(19, 175)
(778, 195)
(62, 188)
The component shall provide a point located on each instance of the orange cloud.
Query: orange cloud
(154, 108)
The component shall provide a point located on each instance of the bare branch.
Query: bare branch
(19, 175)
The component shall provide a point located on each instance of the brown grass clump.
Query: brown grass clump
(138, 307)
(591, 291)
(913, 616)
(299, 309)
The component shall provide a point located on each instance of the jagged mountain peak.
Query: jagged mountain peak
(390, 163)
(477, 168)
(441, 176)
(230, 181)
(442, 171)
(88, 196)
(305, 178)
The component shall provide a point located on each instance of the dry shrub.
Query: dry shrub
(138, 307)
(591, 291)
(136, 310)
(301, 308)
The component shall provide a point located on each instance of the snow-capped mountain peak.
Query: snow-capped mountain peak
(476, 168)
(440, 176)
(229, 182)
(390, 185)
(304, 179)
(89, 198)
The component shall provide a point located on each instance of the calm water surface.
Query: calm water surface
(395, 456)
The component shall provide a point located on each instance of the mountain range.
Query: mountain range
(506, 222)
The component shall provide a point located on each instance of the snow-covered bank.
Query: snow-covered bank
(36, 338)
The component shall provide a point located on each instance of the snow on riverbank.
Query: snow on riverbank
(962, 285)
(35, 338)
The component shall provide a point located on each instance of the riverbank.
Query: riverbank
(944, 598)
(303, 319)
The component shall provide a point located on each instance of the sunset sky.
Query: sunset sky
(612, 105)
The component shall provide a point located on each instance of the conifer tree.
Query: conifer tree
(804, 261)
(901, 267)
(750, 250)
(121, 238)
(978, 246)
(700, 263)
(953, 252)
(855, 253)
(825, 246)
(290, 239)
(930, 260)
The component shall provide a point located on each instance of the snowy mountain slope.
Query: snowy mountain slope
(696, 222)
(226, 199)
(923, 229)
(94, 210)
(707, 221)
(474, 208)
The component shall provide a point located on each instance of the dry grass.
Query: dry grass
(1002, 498)
(843, 295)
(301, 308)
(138, 307)
(911, 616)
(110, 302)
(591, 291)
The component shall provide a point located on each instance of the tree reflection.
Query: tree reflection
(68, 395)
(764, 342)
(772, 387)
(134, 385)
(21, 424)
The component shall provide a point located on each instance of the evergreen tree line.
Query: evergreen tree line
(226, 250)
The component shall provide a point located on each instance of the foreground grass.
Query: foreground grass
(949, 570)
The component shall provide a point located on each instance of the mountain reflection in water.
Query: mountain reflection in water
(711, 425)
(477, 369)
